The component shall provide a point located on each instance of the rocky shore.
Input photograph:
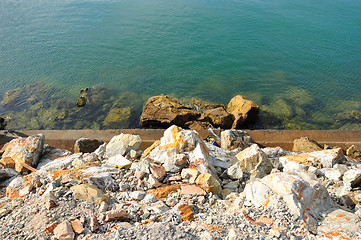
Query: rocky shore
(38, 106)
(181, 187)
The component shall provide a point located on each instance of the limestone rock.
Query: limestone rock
(232, 139)
(116, 214)
(77, 226)
(122, 144)
(176, 163)
(254, 161)
(119, 161)
(89, 193)
(24, 150)
(163, 111)
(353, 152)
(326, 158)
(208, 183)
(187, 189)
(60, 163)
(304, 195)
(306, 145)
(352, 176)
(86, 145)
(218, 117)
(235, 172)
(158, 172)
(159, 207)
(190, 175)
(245, 112)
(163, 192)
(64, 231)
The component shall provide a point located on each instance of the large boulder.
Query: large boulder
(306, 198)
(245, 112)
(86, 145)
(163, 111)
(24, 151)
(218, 117)
(122, 144)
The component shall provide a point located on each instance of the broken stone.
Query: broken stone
(306, 145)
(137, 195)
(208, 183)
(64, 231)
(190, 175)
(77, 226)
(353, 152)
(159, 207)
(171, 202)
(192, 190)
(176, 163)
(135, 154)
(119, 161)
(233, 139)
(186, 212)
(94, 224)
(162, 192)
(139, 174)
(353, 177)
(158, 172)
(153, 182)
(245, 112)
(24, 151)
(86, 145)
(90, 193)
(123, 143)
(235, 172)
(116, 214)
(254, 161)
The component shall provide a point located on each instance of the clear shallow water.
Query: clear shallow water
(208, 49)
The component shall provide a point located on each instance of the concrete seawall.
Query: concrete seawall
(268, 138)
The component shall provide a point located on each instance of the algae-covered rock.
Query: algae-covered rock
(299, 96)
(12, 97)
(118, 118)
(279, 108)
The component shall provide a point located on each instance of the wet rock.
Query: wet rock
(163, 111)
(305, 144)
(245, 112)
(122, 144)
(89, 193)
(353, 152)
(12, 97)
(254, 161)
(86, 145)
(24, 151)
(218, 117)
(64, 231)
(118, 118)
(233, 139)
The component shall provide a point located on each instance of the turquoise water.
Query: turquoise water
(208, 49)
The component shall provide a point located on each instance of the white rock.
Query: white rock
(118, 161)
(190, 174)
(352, 176)
(100, 151)
(159, 207)
(123, 143)
(235, 172)
(232, 139)
(290, 166)
(137, 195)
(60, 163)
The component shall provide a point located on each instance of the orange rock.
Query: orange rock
(163, 192)
(158, 172)
(7, 162)
(186, 212)
(116, 214)
(77, 226)
(50, 228)
(244, 111)
(208, 183)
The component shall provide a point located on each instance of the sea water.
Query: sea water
(303, 53)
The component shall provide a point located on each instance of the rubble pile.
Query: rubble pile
(181, 187)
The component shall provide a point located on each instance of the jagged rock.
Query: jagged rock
(15, 186)
(176, 163)
(24, 150)
(198, 125)
(77, 226)
(254, 161)
(334, 173)
(60, 163)
(7, 173)
(187, 189)
(325, 158)
(116, 214)
(235, 172)
(353, 152)
(306, 145)
(89, 193)
(158, 172)
(208, 183)
(86, 145)
(186, 212)
(119, 161)
(64, 231)
(218, 117)
(52, 155)
(190, 175)
(163, 111)
(159, 207)
(122, 144)
(232, 139)
(163, 192)
(353, 177)
(304, 195)
(245, 112)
